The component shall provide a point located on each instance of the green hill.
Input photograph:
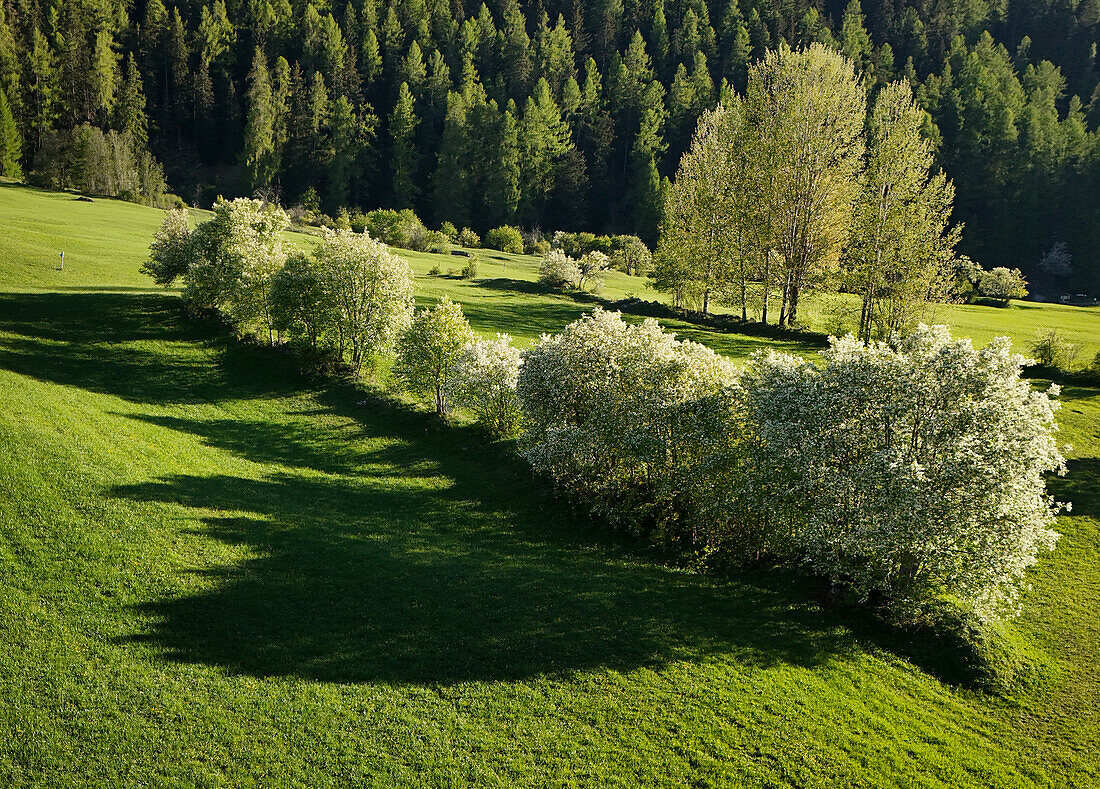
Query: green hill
(213, 572)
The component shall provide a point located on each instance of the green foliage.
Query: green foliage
(505, 239)
(278, 493)
(11, 142)
(430, 349)
(469, 239)
(469, 271)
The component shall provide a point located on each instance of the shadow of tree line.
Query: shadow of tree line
(388, 547)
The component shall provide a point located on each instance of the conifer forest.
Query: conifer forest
(554, 115)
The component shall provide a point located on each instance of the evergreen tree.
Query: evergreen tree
(130, 107)
(11, 142)
(451, 182)
(259, 138)
(543, 137)
(405, 157)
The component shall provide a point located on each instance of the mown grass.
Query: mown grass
(217, 573)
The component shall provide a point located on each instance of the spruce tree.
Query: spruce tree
(259, 135)
(11, 142)
(405, 159)
(130, 107)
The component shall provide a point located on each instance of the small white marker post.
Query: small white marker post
(62, 256)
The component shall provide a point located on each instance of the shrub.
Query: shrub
(434, 241)
(485, 379)
(234, 254)
(371, 290)
(302, 302)
(430, 349)
(1048, 349)
(399, 229)
(171, 251)
(342, 221)
(538, 247)
(558, 270)
(435, 270)
(505, 238)
(912, 469)
(1003, 284)
(468, 238)
(358, 221)
(469, 271)
(592, 268)
(449, 230)
(620, 416)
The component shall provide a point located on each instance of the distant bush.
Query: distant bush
(342, 221)
(1003, 284)
(469, 271)
(534, 243)
(435, 270)
(433, 241)
(358, 221)
(449, 231)
(558, 270)
(404, 229)
(505, 238)
(630, 255)
(469, 239)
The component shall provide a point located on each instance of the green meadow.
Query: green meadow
(215, 572)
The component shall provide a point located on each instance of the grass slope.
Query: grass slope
(213, 573)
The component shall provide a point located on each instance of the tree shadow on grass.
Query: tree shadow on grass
(384, 546)
(141, 348)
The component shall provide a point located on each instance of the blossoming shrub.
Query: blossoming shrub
(620, 416)
(429, 350)
(912, 468)
(558, 270)
(371, 292)
(485, 379)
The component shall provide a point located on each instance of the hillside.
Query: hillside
(562, 115)
(216, 573)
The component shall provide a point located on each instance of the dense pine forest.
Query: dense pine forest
(563, 114)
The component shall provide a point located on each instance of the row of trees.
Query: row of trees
(558, 114)
(911, 470)
(791, 186)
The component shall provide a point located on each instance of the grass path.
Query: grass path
(213, 573)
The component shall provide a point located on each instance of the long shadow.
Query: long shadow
(383, 545)
(139, 347)
(1080, 486)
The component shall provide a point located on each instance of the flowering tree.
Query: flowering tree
(301, 300)
(591, 267)
(1003, 284)
(170, 253)
(430, 349)
(227, 262)
(558, 270)
(371, 290)
(605, 404)
(912, 468)
(485, 379)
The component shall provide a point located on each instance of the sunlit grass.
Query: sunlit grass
(213, 572)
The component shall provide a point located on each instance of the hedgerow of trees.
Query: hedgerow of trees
(562, 114)
(911, 471)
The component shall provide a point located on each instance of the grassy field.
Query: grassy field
(214, 573)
